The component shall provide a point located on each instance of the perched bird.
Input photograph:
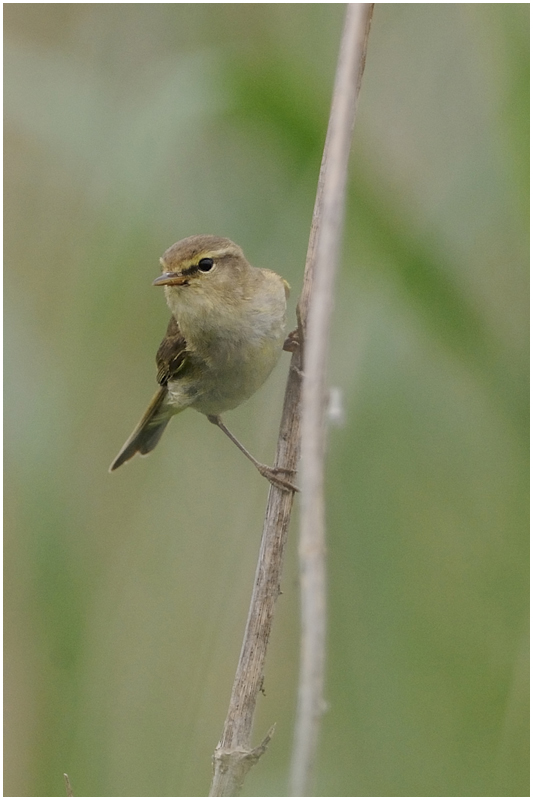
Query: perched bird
(225, 336)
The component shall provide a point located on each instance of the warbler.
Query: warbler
(225, 336)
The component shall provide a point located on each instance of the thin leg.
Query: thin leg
(270, 473)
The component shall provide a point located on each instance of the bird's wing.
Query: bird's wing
(172, 355)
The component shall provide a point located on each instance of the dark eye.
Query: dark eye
(205, 264)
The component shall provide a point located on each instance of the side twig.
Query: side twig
(68, 787)
(325, 243)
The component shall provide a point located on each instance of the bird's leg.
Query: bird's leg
(270, 473)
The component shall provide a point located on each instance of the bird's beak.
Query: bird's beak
(170, 279)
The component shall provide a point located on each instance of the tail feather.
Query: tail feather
(148, 432)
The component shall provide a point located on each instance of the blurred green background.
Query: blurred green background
(130, 126)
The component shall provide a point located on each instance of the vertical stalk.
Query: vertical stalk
(323, 257)
(234, 754)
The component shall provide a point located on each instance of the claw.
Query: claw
(292, 342)
(270, 473)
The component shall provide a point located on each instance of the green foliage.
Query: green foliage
(131, 126)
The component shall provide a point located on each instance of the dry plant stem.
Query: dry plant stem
(234, 755)
(328, 219)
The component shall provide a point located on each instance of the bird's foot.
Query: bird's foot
(292, 342)
(272, 474)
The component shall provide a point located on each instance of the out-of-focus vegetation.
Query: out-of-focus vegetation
(131, 126)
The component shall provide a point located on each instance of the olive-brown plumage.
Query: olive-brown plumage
(225, 336)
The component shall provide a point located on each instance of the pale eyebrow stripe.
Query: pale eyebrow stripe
(193, 262)
(226, 251)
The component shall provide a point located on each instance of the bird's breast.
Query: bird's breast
(234, 345)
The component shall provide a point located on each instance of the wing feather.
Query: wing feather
(172, 354)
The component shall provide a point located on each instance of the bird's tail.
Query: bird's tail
(149, 430)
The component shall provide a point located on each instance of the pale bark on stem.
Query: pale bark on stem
(329, 215)
(234, 754)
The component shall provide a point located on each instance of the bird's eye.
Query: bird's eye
(205, 264)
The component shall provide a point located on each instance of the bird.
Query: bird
(225, 335)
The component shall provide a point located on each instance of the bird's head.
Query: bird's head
(202, 265)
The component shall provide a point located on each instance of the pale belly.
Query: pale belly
(212, 391)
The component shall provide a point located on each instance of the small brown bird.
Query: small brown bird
(225, 335)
